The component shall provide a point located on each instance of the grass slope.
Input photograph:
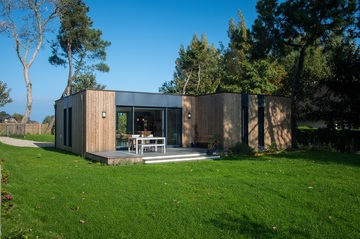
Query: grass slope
(36, 137)
(297, 195)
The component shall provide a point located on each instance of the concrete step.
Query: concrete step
(179, 158)
(164, 156)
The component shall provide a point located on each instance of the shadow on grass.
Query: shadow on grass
(314, 156)
(60, 151)
(45, 145)
(64, 152)
(321, 157)
(249, 228)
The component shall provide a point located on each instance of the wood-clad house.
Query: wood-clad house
(96, 120)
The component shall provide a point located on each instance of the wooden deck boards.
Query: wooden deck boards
(124, 157)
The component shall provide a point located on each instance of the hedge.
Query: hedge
(340, 140)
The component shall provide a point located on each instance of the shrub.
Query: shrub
(329, 139)
(241, 149)
(272, 147)
(6, 202)
(6, 198)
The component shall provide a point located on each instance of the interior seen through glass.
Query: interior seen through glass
(161, 122)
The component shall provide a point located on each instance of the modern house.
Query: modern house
(96, 120)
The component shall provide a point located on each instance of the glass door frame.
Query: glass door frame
(164, 121)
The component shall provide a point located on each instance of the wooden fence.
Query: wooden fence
(22, 129)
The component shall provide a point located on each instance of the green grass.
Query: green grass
(36, 137)
(290, 195)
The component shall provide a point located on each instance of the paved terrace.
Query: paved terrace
(171, 155)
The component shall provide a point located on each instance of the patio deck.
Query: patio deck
(122, 156)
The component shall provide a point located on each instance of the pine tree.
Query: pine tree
(78, 45)
(4, 94)
(299, 25)
(197, 69)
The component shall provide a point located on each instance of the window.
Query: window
(65, 127)
(245, 118)
(70, 127)
(261, 140)
(245, 125)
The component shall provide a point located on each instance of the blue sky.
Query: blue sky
(145, 39)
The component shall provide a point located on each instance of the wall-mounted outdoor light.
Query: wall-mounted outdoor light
(103, 114)
(189, 115)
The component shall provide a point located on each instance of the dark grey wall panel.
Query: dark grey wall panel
(137, 99)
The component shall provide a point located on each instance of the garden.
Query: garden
(53, 194)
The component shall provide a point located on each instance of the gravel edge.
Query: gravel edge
(25, 143)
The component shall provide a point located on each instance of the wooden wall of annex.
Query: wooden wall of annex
(90, 132)
(100, 132)
(277, 116)
(188, 124)
(75, 140)
(59, 125)
(221, 115)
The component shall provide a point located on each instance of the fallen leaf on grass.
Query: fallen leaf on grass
(74, 209)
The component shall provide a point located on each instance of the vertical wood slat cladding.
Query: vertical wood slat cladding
(78, 123)
(253, 121)
(231, 120)
(215, 114)
(220, 114)
(277, 121)
(188, 125)
(59, 124)
(209, 115)
(100, 132)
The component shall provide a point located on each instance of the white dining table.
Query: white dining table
(134, 142)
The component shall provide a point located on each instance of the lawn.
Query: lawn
(36, 137)
(297, 195)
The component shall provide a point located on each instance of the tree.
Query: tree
(339, 100)
(196, 70)
(299, 25)
(78, 45)
(86, 81)
(241, 71)
(235, 56)
(3, 116)
(26, 21)
(170, 87)
(48, 119)
(18, 117)
(4, 94)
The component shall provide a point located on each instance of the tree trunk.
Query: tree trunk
(70, 75)
(294, 94)
(199, 79)
(28, 95)
(50, 126)
(186, 82)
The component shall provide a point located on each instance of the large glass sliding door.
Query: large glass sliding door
(146, 119)
(162, 122)
(124, 119)
(173, 127)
